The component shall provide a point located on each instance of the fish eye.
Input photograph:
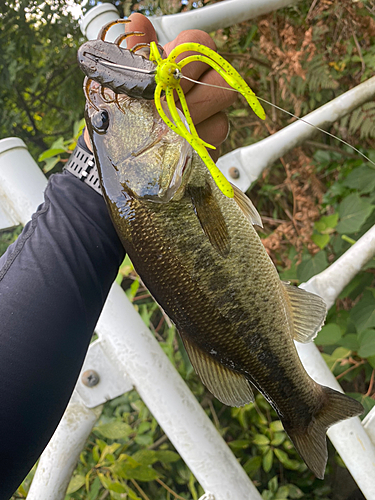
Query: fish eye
(100, 121)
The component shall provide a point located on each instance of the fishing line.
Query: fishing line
(281, 109)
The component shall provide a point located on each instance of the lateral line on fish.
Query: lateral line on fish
(285, 111)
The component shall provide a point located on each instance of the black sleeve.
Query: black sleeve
(54, 281)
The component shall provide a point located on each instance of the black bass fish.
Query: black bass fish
(200, 257)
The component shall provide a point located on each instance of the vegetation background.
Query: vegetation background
(315, 203)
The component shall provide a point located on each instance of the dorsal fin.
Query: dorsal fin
(228, 386)
(308, 312)
(210, 218)
(247, 206)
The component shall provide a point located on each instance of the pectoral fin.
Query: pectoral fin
(211, 218)
(229, 387)
(247, 206)
(308, 311)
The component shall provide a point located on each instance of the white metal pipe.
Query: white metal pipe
(213, 17)
(97, 17)
(60, 458)
(250, 161)
(330, 282)
(369, 424)
(128, 342)
(7, 221)
(22, 183)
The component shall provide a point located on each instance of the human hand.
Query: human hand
(206, 104)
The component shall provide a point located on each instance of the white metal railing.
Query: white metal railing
(125, 345)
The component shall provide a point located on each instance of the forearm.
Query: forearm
(53, 284)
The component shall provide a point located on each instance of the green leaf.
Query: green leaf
(363, 313)
(330, 221)
(167, 456)
(95, 454)
(340, 353)
(108, 451)
(131, 493)
(260, 440)
(239, 444)
(327, 223)
(282, 493)
(330, 334)
(273, 484)
(134, 288)
(253, 464)
(367, 343)
(321, 240)
(356, 286)
(192, 488)
(117, 487)
(268, 461)
(50, 164)
(353, 212)
(368, 403)
(312, 265)
(146, 457)
(106, 482)
(94, 489)
(350, 341)
(143, 427)
(287, 462)
(114, 430)
(50, 152)
(144, 439)
(75, 484)
(362, 179)
(276, 426)
(267, 495)
(371, 361)
(78, 126)
(142, 474)
(279, 438)
(294, 492)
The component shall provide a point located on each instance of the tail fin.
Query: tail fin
(311, 441)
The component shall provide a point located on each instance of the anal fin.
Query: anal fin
(308, 311)
(228, 386)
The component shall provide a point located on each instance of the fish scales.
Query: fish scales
(200, 257)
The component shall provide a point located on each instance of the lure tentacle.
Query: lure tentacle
(168, 76)
(233, 79)
(105, 29)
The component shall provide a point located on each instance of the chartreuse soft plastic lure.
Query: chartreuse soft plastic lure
(168, 76)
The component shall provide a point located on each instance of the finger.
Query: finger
(215, 129)
(87, 139)
(195, 69)
(204, 102)
(140, 23)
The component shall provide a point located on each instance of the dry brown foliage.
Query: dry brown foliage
(307, 191)
(282, 54)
